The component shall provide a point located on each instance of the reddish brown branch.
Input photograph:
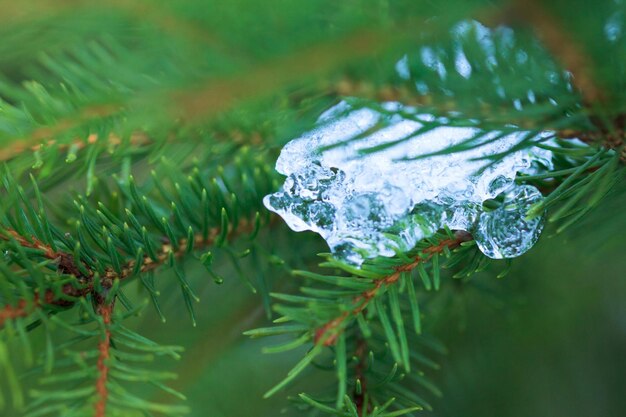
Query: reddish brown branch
(38, 141)
(9, 312)
(65, 261)
(33, 243)
(46, 133)
(328, 333)
(104, 347)
(609, 134)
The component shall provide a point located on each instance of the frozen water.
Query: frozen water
(366, 204)
(402, 68)
(462, 64)
(504, 232)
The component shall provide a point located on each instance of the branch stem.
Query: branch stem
(328, 333)
(104, 349)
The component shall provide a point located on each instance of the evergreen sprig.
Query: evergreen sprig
(169, 132)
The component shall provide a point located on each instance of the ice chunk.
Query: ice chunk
(373, 194)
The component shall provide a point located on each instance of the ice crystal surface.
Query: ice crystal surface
(504, 232)
(362, 181)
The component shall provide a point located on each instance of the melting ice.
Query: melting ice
(368, 204)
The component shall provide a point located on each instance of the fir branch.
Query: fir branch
(327, 334)
(66, 264)
(211, 95)
(129, 84)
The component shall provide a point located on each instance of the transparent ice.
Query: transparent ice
(504, 232)
(368, 204)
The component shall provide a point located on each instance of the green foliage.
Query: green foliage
(138, 140)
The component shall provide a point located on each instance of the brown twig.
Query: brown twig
(38, 140)
(328, 333)
(612, 136)
(46, 133)
(104, 348)
(65, 261)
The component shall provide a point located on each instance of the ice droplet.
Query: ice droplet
(367, 204)
(505, 232)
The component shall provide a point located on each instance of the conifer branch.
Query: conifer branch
(328, 333)
(67, 265)
(33, 243)
(212, 96)
(171, 72)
